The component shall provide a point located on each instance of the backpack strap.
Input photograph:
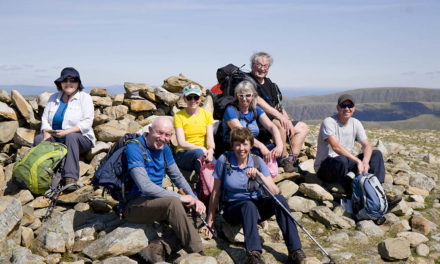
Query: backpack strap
(144, 150)
(226, 167)
(256, 161)
(363, 191)
(254, 184)
(241, 117)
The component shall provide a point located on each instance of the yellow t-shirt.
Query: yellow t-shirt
(194, 127)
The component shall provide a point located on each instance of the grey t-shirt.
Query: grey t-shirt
(345, 134)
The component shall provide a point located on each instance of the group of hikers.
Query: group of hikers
(256, 128)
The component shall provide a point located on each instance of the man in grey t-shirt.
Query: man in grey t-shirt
(335, 158)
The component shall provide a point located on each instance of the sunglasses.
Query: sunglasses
(245, 95)
(346, 105)
(71, 79)
(192, 97)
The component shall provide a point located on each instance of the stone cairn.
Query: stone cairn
(84, 228)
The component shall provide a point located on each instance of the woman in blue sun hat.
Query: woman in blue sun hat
(194, 131)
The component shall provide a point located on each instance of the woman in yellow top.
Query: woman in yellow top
(194, 131)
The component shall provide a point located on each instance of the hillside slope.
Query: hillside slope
(373, 104)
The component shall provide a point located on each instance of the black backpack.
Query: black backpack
(228, 77)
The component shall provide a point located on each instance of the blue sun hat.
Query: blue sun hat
(192, 89)
(69, 71)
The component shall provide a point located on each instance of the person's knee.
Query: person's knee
(376, 154)
(38, 138)
(249, 209)
(198, 153)
(280, 128)
(175, 207)
(72, 137)
(281, 199)
(277, 123)
(340, 161)
(302, 128)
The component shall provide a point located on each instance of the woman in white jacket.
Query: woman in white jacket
(68, 118)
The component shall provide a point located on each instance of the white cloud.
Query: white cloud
(10, 67)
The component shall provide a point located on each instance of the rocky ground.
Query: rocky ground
(84, 228)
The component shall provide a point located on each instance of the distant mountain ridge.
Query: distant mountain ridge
(372, 104)
(375, 95)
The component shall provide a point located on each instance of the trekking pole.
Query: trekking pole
(200, 216)
(216, 238)
(53, 202)
(332, 261)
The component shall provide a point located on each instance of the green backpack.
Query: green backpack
(35, 169)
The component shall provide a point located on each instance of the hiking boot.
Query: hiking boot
(254, 257)
(287, 165)
(154, 252)
(296, 257)
(393, 201)
(73, 186)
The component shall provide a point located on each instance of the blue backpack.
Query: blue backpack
(368, 199)
(112, 173)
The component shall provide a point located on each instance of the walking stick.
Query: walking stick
(214, 234)
(332, 261)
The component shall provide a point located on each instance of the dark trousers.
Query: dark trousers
(189, 159)
(76, 144)
(335, 169)
(249, 212)
(144, 211)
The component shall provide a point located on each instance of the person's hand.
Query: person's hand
(59, 133)
(360, 167)
(290, 129)
(206, 229)
(277, 152)
(200, 207)
(366, 167)
(204, 150)
(46, 135)
(189, 201)
(209, 155)
(252, 173)
(267, 155)
(285, 122)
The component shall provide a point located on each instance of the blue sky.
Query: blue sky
(316, 45)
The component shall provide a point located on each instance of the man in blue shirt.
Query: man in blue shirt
(153, 203)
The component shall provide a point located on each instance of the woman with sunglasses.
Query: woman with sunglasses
(245, 113)
(243, 200)
(194, 131)
(68, 118)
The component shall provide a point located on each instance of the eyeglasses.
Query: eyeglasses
(71, 79)
(262, 66)
(245, 95)
(162, 133)
(192, 97)
(346, 105)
